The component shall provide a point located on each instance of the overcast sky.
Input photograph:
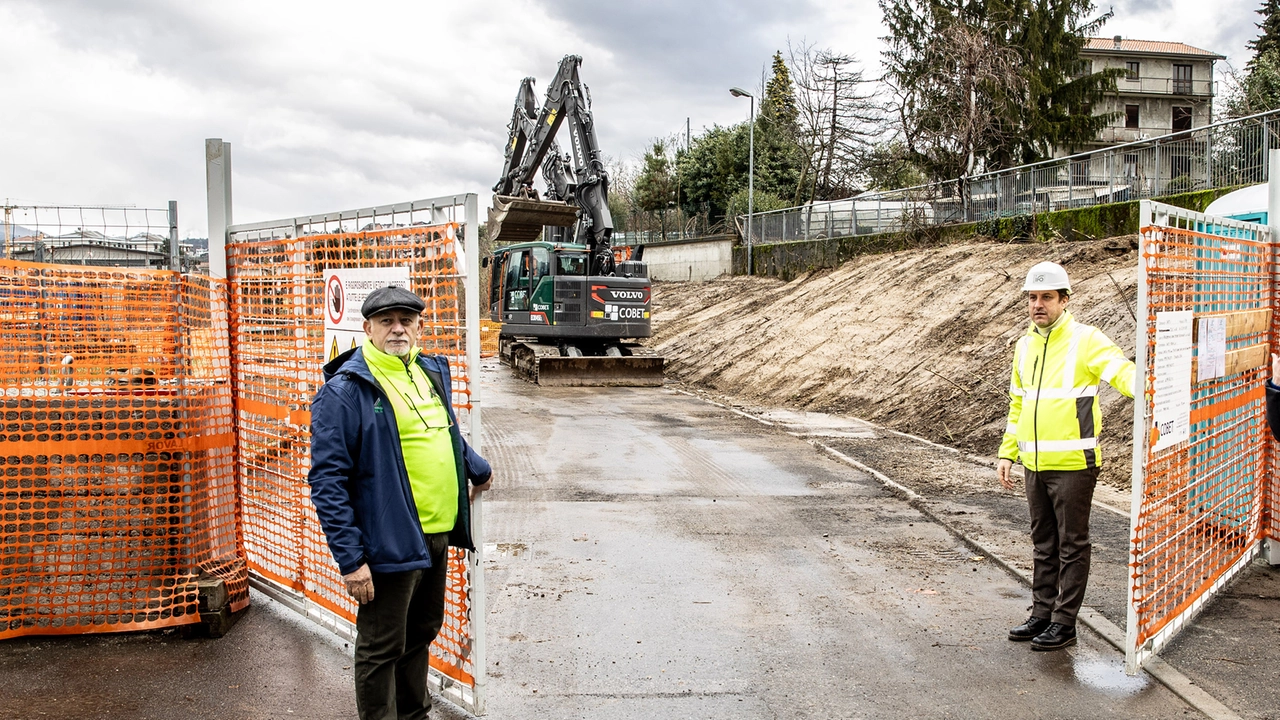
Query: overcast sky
(338, 105)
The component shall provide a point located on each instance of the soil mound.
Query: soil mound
(919, 341)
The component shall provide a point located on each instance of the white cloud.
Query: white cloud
(335, 105)
(1224, 27)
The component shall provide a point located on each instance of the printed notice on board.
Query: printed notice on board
(1211, 348)
(1171, 416)
(344, 292)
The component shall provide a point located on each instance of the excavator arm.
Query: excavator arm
(532, 145)
(521, 128)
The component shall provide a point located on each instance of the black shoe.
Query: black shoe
(1029, 629)
(1056, 637)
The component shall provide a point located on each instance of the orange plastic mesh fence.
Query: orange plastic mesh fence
(278, 332)
(1201, 500)
(116, 449)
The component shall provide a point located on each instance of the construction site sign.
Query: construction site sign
(344, 293)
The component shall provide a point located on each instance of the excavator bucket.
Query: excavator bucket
(517, 219)
(544, 365)
(599, 371)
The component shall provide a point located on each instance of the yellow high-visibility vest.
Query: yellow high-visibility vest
(1054, 420)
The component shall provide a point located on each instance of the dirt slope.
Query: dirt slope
(920, 340)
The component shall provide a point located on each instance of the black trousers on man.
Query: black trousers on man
(1060, 503)
(394, 632)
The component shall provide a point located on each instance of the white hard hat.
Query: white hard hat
(1047, 276)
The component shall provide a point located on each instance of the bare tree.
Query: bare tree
(838, 119)
(948, 107)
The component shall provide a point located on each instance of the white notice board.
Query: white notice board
(1171, 414)
(1211, 350)
(345, 291)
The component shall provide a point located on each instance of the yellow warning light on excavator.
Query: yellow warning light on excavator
(646, 314)
(597, 313)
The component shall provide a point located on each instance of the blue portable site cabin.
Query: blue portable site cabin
(1248, 204)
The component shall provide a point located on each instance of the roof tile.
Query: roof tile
(1147, 46)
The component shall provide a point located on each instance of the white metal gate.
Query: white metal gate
(1202, 452)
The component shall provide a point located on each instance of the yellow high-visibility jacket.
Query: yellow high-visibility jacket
(1054, 418)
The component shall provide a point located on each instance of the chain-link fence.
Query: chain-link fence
(1220, 155)
(97, 235)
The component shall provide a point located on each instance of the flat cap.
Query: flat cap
(391, 298)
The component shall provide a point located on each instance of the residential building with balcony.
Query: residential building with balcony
(1166, 87)
(1166, 91)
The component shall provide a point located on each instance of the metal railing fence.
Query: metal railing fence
(1222, 154)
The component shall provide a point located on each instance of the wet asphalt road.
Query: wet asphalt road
(650, 555)
(272, 664)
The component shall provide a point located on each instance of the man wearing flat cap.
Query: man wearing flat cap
(392, 480)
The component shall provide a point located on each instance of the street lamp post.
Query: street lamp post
(751, 168)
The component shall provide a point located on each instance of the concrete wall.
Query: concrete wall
(690, 260)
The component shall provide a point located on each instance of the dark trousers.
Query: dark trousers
(1060, 503)
(394, 632)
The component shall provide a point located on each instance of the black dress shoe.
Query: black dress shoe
(1056, 637)
(1029, 629)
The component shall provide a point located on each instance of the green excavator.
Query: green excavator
(571, 313)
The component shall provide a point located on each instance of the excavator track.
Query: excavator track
(517, 219)
(542, 363)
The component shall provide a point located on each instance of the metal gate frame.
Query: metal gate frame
(1153, 215)
(431, 211)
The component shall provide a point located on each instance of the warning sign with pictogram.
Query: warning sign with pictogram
(345, 291)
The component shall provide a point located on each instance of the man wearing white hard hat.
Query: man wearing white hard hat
(1053, 429)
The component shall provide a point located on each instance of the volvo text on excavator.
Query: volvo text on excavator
(570, 312)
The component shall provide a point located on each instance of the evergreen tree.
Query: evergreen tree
(1048, 103)
(1060, 89)
(1269, 39)
(655, 188)
(1258, 88)
(716, 165)
(779, 103)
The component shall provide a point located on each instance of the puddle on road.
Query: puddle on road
(1107, 675)
(816, 424)
(1096, 672)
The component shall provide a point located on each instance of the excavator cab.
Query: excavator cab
(561, 326)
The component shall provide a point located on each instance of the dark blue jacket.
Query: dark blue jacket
(359, 483)
(1273, 408)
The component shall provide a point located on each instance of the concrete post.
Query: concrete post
(751, 183)
(1111, 176)
(175, 256)
(1208, 159)
(1155, 188)
(1273, 193)
(217, 164)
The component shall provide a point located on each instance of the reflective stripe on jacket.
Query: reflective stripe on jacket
(1054, 418)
